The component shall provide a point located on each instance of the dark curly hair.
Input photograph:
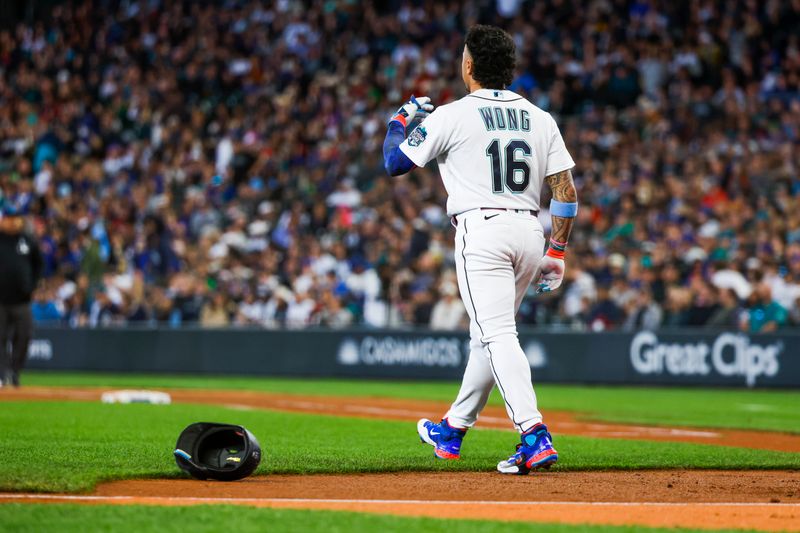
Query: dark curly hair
(493, 56)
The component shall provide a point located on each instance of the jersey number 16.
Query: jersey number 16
(517, 175)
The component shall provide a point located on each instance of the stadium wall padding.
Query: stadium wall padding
(673, 357)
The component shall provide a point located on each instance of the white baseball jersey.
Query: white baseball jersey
(494, 149)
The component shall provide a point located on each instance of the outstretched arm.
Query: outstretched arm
(563, 209)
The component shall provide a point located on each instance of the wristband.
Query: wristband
(399, 118)
(563, 209)
(556, 249)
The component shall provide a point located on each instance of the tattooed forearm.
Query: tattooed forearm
(562, 186)
(563, 189)
(561, 229)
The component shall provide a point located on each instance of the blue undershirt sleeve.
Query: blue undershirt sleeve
(395, 161)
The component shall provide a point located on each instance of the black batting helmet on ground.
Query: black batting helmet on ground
(218, 451)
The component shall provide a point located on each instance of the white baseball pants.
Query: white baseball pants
(497, 254)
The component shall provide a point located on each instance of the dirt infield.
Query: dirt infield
(768, 501)
(657, 486)
(762, 500)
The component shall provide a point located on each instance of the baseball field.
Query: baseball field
(344, 456)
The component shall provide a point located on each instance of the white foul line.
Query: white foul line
(80, 497)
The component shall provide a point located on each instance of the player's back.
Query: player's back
(494, 149)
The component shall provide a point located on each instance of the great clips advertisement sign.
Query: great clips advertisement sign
(671, 357)
(728, 357)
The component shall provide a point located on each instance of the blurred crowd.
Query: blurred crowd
(220, 162)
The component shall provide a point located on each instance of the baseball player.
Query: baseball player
(494, 150)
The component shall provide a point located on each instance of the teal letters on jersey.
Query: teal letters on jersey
(505, 118)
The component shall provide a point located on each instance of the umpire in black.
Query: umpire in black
(20, 270)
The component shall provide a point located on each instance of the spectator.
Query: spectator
(729, 312)
(763, 314)
(299, 311)
(448, 313)
(679, 301)
(580, 286)
(703, 304)
(103, 310)
(251, 310)
(44, 309)
(605, 313)
(187, 300)
(214, 313)
(333, 313)
(645, 313)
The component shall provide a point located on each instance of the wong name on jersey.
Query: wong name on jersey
(509, 118)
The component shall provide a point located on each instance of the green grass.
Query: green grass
(65, 518)
(70, 446)
(696, 407)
